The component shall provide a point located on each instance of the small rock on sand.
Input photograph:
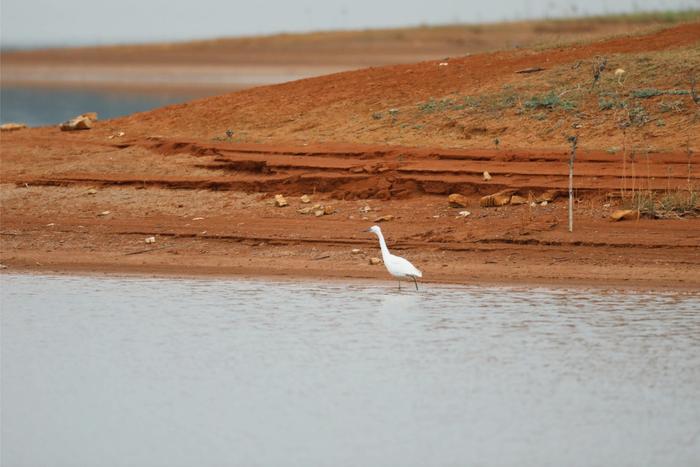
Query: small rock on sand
(374, 261)
(91, 191)
(306, 210)
(458, 200)
(150, 240)
(12, 126)
(517, 200)
(464, 214)
(319, 212)
(497, 199)
(355, 251)
(328, 210)
(626, 214)
(305, 199)
(81, 122)
(385, 218)
(487, 176)
(280, 201)
(105, 213)
(549, 196)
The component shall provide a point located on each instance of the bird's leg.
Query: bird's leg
(415, 281)
(399, 284)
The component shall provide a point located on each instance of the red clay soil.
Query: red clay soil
(339, 107)
(86, 201)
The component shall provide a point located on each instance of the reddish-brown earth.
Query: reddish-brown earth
(207, 198)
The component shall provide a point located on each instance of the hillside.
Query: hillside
(474, 101)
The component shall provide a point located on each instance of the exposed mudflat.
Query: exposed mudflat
(86, 201)
(211, 210)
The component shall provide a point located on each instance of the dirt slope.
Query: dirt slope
(86, 201)
(468, 102)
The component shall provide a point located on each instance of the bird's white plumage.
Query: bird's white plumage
(397, 266)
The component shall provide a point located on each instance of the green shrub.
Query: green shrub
(646, 93)
(548, 101)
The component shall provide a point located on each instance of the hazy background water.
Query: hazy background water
(169, 372)
(37, 106)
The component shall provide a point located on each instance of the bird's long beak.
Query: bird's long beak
(367, 230)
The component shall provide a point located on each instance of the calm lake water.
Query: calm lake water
(179, 372)
(38, 106)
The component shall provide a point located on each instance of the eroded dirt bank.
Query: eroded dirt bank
(392, 141)
(90, 207)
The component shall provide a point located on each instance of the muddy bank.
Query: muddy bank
(89, 207)
(200, 177)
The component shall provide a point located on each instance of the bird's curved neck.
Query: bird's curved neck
(382, 245)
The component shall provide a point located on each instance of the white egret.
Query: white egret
(397, 266)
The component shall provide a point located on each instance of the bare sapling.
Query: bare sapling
(574, 141)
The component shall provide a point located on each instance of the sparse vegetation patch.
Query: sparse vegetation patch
(549, 101)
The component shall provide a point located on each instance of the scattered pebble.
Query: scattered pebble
(355, 251)
(280, 201)
(626, 214)
(517, 200)
(81, 122)
(197, 218)
(12, 126)
(385, 218)
(306, 210)
(150, 240)
(497, 199)
(365, 209)
(105, 213)
(2, 266)
(305, 199)
(328, 210)
(51, 224)
(443, 64)
(543, 203)
(373, 261)
(319, 212)
(458, 200)
(487, 176)
(91, 191)
(549, 196)
(464, 214)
